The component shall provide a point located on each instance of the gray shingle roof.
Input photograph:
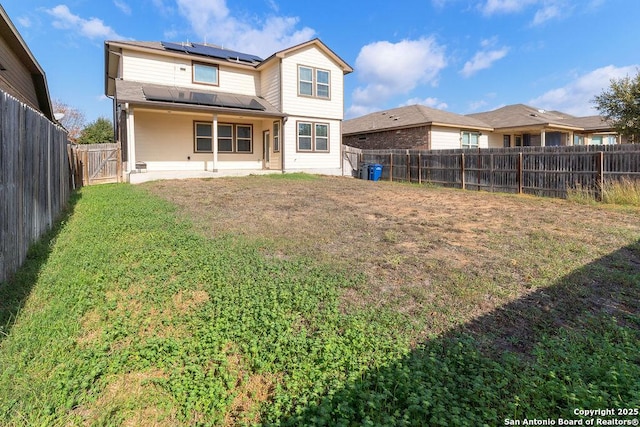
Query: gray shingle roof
(132, 92)
(413, 115)
(520, 115)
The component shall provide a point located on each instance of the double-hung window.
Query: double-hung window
(203, 138)
(276, 137)
(313, 136)
(470, 139)
(205, 73)
(231, 138)
(314, 82)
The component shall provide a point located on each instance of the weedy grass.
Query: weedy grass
(127, 315)
(624, 192)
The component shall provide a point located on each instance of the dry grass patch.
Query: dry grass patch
(423, 250)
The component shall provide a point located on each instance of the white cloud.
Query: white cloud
(575, 97)
(212, 21)
(429, 102)
(388, 69)
(124, 7)
(482, 60)
(545, 9)
(25, 22)
(92, 28)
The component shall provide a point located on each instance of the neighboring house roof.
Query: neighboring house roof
(138, 93)
(11, 36)
(592, 123)
(410, 116)
(524, 116)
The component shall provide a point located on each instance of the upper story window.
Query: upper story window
(314, 82)
(470, 139)
(205, 73)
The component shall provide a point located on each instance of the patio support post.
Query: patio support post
(214, 133)
(543, 135)
(131, 141)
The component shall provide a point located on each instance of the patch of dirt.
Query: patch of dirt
(443, 257)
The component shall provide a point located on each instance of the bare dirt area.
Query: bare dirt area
(443, 257)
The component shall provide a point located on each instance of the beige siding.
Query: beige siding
(444, 138)
(165, 142)
(16, 80)
(495, 140)
(293, 104)
(328, 163)
(172, 71)
(270, 84)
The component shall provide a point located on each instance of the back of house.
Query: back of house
(198, 107)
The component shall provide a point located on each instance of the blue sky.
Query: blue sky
(463, 56)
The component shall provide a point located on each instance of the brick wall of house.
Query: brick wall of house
(416, 137)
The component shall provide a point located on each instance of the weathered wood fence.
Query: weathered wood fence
(95, 163)
(544, 171)
(34, 179)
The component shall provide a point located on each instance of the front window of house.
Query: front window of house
(205, 73)
(314, 82)
(470, 139)
(578, 140)
(313, 136)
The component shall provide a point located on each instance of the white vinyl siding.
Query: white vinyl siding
(171, 71)
(270, 84)
(309, 106)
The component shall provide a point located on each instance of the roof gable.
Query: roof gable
(346, 68)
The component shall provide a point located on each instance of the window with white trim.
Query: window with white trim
(596, 140)
(231, 138)
(205, 73)
(203, 138)
(314, 82)
(276, 137)
(470, 139)
(313, 137)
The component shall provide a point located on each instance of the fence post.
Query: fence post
(419, 168)
(408, 167)
(391, 167)
(462, 170)
(599, 175)
(491, 169)
(520, 173)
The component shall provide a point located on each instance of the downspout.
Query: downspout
(284, 119)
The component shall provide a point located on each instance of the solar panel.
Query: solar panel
(212, 52)
(185, 96)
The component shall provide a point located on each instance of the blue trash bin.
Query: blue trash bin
(375, 172)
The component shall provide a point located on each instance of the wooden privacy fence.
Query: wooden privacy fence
(34, 179)
(545, 171)
(96, 163)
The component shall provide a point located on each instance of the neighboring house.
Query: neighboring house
(190, 106)
(415, 126)
(420, 127)
(522, 125)
(20, 74)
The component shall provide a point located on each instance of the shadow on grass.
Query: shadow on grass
(572, 345)
(15, 291)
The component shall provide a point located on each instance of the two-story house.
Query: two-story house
(196, 107)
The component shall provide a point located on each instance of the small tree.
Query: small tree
(71, 118)
(620, 106)
(97, 132)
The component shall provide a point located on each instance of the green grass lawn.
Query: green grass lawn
(128, 315)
